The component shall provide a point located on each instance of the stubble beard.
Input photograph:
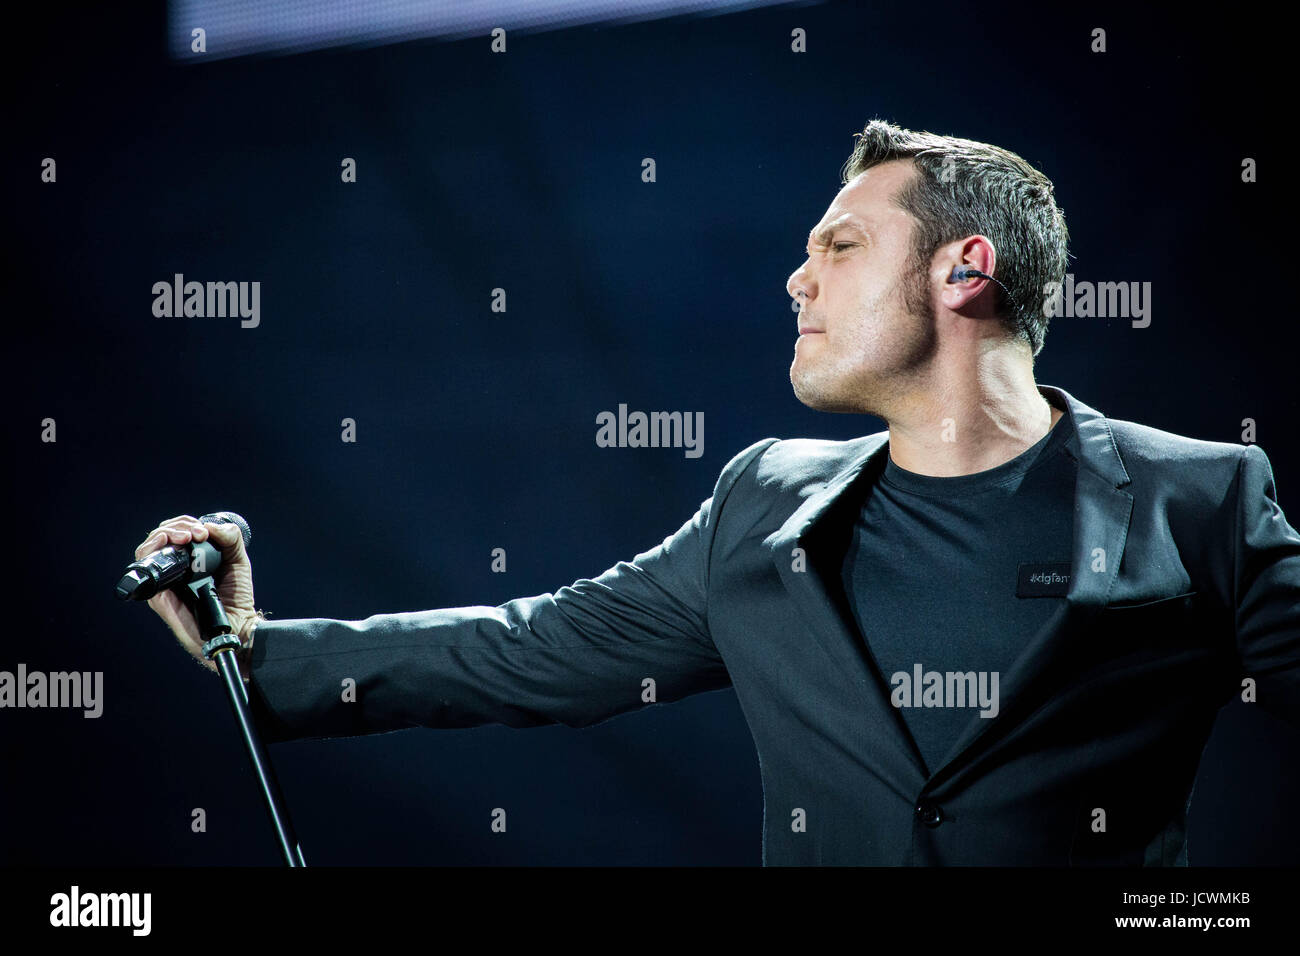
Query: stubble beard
(899, 333)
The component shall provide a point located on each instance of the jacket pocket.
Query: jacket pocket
(1185, 600)
(1162, 623)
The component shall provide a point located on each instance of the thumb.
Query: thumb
(228, 538)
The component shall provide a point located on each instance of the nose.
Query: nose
(800, 284)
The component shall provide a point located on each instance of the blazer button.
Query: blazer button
(930, 814)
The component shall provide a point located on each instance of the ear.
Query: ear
(973, 252)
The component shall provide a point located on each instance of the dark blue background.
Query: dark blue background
(476, 429)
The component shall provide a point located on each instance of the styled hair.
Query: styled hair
(964, 188)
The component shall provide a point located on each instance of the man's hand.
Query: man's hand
(234, 581)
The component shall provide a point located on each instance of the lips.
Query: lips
(809, 330)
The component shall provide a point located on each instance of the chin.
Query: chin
(812, 391)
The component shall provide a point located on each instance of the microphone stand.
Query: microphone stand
(221, 648)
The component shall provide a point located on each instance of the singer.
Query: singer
(1111, 584)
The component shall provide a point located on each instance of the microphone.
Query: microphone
(177, 564)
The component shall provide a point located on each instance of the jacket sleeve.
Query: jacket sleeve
(576, 656)
(1266, 570)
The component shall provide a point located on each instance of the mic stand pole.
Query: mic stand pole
(221, 648)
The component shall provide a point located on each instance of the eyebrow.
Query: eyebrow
(822, 236)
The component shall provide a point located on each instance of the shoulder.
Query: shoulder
(767, 481)
(799, 462)
(1142, 445)
(1163, 465)
(1154, 456)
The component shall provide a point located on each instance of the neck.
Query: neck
(959, 421)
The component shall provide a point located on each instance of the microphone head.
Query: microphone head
(130, 585)
(229, 517)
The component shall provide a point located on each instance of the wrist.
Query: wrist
(246, 637)
(248, 626)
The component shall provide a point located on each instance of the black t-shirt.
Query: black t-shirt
(933, 572)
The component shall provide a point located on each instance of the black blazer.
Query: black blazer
(1184, 591)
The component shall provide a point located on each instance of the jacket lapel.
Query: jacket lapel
(1102, 510)
(812, 590)
(1101, 519)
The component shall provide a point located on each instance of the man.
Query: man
(997, 633)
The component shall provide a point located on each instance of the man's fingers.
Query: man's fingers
(179, 530)
(179, 523)
(150, 544)
(183, 529)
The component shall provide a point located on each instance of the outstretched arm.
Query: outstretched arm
(576, 656)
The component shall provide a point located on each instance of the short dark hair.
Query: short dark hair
(963, 188)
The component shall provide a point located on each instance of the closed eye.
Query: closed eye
(834, 247)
